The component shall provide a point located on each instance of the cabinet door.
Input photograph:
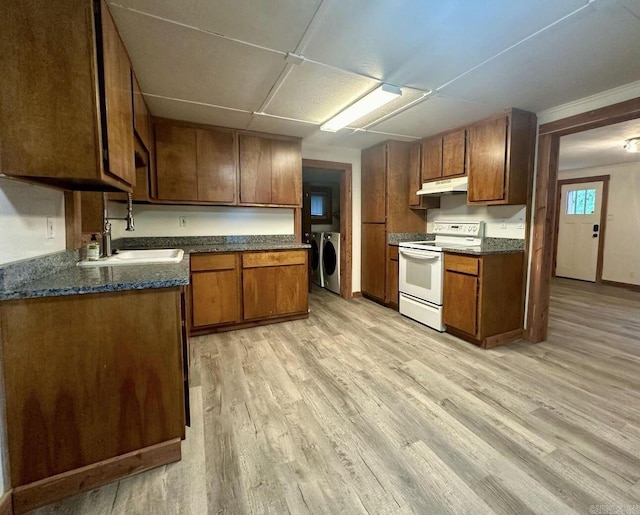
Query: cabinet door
(374, 166)
(141, 117)
(286, 172)
(216, 166)
(460, 301)
(176, 173)
(487, 160)
(259, 292)
(431, 159)
(454, 153)
(215, 297)
(118, 101)
(291, 289)
(373, 260)
(391, 296)
(415, 174)
(255, 170)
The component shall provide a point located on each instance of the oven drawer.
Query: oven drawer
(423, 312)
(463, 264)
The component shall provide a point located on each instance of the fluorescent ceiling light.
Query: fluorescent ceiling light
(380, 96)
(632, 145)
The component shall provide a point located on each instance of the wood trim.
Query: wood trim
(6, 503)
(543, 241)
(604, 179)
(60, 486)
(73, 220)
(620, 112)
(626, 286)
(297, 224)
(357, 295)
(247, 324)
(346, 217)
(502, 339)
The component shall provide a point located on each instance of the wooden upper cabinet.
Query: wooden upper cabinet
(286, 172)
(270, 171)
(141, 115)
(216, 166)
(66, 115)
(487, 160)
(500, 158)
(431, 159)
(454, 153)
(195, 165)
(374, 165)
(176, 166)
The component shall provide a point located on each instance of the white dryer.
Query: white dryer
(316, 259)
(331, 261)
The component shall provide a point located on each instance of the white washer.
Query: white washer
(331, 261)
(317, 276)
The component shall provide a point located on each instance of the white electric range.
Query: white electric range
(422, 269)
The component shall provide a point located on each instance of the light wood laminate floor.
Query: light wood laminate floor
(359, 410)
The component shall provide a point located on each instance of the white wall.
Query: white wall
(500, 221)
(24, 209)
(352, 156)
(621, 259)
(152, 220)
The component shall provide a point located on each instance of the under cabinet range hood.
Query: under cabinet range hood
(455, 185)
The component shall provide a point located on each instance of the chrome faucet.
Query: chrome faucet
(106, 233)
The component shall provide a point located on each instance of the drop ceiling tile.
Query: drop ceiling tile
(593, 51)
(435, 114)
(316, 93)
(425, 44)
(195, 113)
(276, 24)
(178, 62)
(278, 126)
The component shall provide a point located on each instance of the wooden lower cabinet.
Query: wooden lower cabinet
(215, 289)
(231, 291)
(374, 243)
(483, 298)
(391, 295)
(94, 389)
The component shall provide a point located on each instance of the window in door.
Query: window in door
(581, 202)
(321, 205)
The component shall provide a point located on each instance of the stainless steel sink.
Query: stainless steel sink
(137, 257)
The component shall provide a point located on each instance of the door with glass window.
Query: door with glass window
(579, 230)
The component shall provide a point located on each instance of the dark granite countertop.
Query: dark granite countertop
(57, 274)
(489, 246)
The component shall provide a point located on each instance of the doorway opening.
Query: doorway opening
(545, 209)
(325, 222)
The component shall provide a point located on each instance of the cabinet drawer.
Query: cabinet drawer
(462, 264)
(260, 259)
(202, 262)
(393, 252)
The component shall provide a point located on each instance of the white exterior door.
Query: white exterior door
(579, 230)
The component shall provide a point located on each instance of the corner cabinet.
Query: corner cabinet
(270, 171)
(483, 299)
(66, 107)
(500, 158)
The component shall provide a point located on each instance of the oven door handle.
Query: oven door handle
(420, 255)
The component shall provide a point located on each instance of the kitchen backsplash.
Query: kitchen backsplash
(500, 221)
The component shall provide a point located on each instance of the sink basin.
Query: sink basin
(137, 257)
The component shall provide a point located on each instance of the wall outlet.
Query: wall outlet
(503, 225)
(51, 232)
(182, 221)
(520, 225)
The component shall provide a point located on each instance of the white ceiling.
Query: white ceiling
(599, 147)
(224, 62)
